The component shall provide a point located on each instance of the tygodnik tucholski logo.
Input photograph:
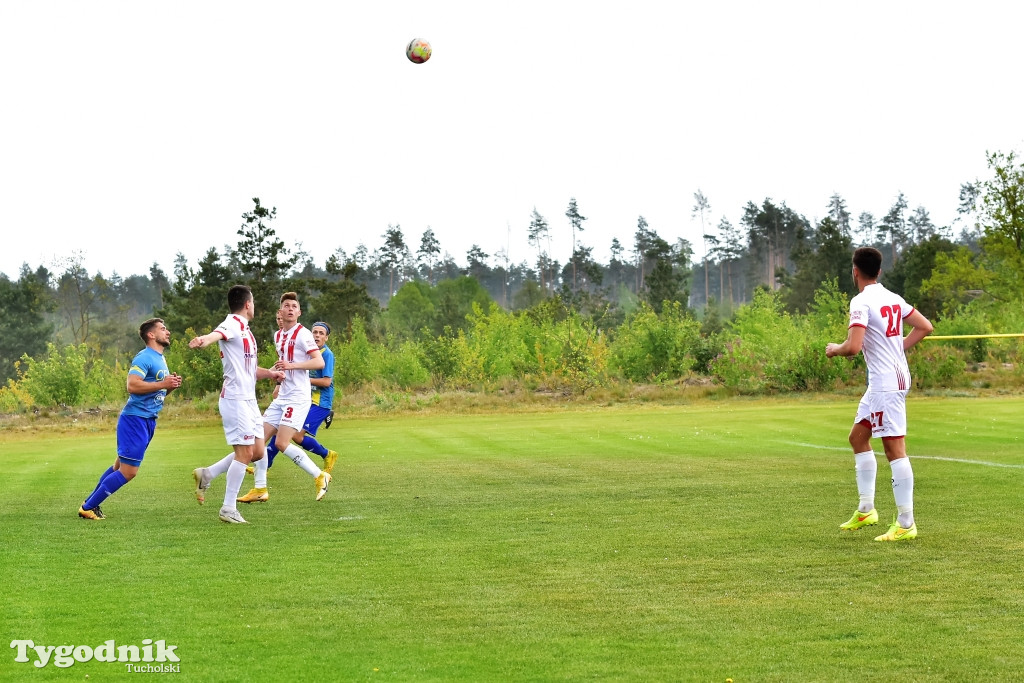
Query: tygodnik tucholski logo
(64, 656)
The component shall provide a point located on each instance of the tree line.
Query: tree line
(399, 293)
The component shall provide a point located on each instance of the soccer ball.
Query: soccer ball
(418, 51)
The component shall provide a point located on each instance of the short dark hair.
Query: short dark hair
(289, 296)
(146, 327)
(868, 261)
(238, 295)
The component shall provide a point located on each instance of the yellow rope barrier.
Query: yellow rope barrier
(973, 336)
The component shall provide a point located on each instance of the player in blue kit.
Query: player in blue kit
(149, 382)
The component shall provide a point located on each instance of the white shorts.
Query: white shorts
(242, 422)
(885, 411)
(285, 413)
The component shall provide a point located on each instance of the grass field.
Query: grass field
(686, 542)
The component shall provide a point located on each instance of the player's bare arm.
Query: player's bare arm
(315, 362)
(922, 328)
(269, 374)
(205, 340)
(851, 347)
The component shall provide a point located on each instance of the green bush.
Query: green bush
(56, 379)
(401, 366)
(201, 370)
(353, 358)
(441, 357)
(505, 344)
(938, 366)
(105, 384)
(767, 349)
(652, 347)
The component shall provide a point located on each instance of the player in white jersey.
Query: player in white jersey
(877, 317)
(297, 353)
(239, 411)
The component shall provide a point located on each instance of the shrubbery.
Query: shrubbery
(761, 349)
(652, 347)
(767, 349)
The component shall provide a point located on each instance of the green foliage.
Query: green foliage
(914, 267)
(503, 345)
(957, 278)
(104, 384)
(767, 349)
(410, 310)
(980, 317)
(56, 379)
(819, 256)
(650, 347)
(442, 356)
(201, 370)
(353, 357)
(23, 327)
(400, 365)
(935, 365)
(419, 307)
(340, 303)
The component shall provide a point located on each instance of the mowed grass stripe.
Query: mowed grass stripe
(673, 543)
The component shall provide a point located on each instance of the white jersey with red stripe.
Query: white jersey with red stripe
(238, 354)
(881, 313)
(295, 345)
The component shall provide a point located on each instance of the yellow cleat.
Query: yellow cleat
(860, 519)
(90, 514)
(255, 496)
(898, 533)
(329, 460)
(250, 470)
(322, 482)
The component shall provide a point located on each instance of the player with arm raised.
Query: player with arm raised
(297, 353)
(239, 411)
(877, 317)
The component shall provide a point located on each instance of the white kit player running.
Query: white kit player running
(297, 353)
(877, 317)
(238, 408)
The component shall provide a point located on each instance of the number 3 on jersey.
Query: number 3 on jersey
(288, 413)
(893, 316)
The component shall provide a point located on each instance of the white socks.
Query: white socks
(236, 472)
(866, 467)
(260, 467)
(300, 458)
(221, 466)
(903, 491)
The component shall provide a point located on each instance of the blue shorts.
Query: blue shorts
(314, 418)
(133, 436)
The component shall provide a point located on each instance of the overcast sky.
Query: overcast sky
(135, 130)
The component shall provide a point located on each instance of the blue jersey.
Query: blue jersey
(324, 396)
(151, 367)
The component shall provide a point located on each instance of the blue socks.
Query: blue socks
(313, 446)
(111, 482)
(271, 453)
(102, 477)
